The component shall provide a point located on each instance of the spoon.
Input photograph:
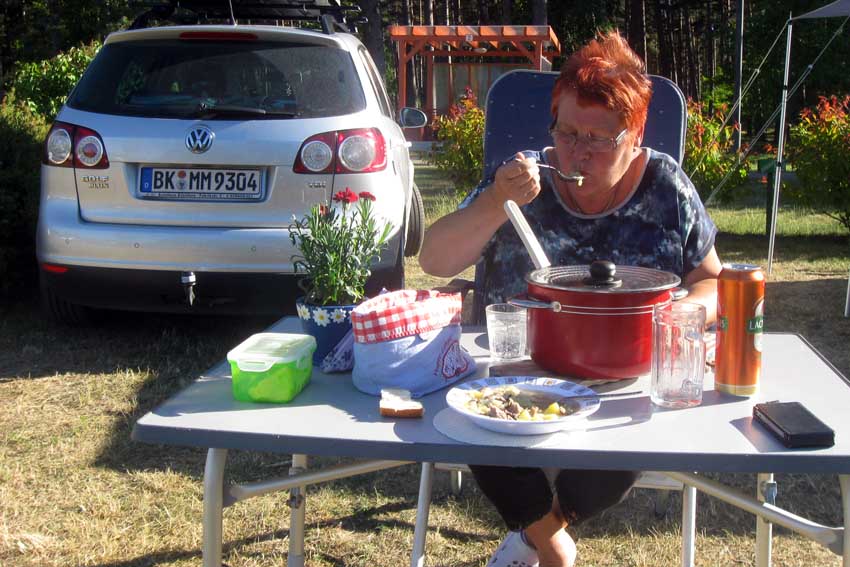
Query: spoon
(593, 396)
(576, 177)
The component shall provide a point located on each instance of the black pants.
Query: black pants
(522, 495)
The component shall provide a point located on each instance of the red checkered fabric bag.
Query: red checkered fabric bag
(404, 313)
(409, 339)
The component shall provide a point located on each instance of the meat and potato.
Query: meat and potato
(510, 402)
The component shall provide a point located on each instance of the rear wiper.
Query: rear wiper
(206, 110)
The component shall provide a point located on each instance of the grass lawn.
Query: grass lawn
(74, 490)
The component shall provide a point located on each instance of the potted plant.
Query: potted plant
(337, 244)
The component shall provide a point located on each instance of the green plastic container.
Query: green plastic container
(271, 367)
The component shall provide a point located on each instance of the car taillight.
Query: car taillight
(68, 145)
(361, 150)
(316, 154)
(58, 145)
(54, 268)
(88, 149)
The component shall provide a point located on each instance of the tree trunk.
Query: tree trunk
(506, 12)
(407, 19)
(373, 33)
(539, 16)
(664, 62)
(710, 54)
(682, 39)
(693, 60)
(483, 12)
(637, 27)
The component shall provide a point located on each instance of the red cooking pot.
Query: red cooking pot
(595, 321)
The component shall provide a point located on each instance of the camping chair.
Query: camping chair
(517, 117)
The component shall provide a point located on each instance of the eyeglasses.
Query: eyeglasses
(592, 143)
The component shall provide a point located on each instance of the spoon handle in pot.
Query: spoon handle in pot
(538, 256)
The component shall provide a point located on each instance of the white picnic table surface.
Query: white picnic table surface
(332, 418)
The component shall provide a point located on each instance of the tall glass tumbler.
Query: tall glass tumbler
(506, 331)
(678, 354)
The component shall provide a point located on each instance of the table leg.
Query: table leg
(423, 506)
(297, 503)
(766, 492)
(844, 480)
(689, 524)
(213, 504)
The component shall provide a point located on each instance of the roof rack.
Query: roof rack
(330, 14)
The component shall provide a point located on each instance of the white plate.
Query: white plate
(459, 395)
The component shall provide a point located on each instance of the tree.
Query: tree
(33, 30)
(539, 15)
(373, 33)
(637, 27)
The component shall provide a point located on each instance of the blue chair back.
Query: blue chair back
(517, 117)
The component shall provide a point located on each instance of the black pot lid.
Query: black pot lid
(603, 276)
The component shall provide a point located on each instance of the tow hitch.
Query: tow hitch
(189, 280)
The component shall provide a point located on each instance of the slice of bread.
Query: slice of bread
(396, 402)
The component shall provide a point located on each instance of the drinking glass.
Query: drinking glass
(678, 354)
(506, 331)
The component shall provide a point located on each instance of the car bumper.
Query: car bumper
(162, 291)
(63, 238)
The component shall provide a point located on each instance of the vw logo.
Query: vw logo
(199, 139)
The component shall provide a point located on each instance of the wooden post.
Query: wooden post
(402, 75)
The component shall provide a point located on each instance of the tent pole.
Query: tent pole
(847, 300)
(777, 177)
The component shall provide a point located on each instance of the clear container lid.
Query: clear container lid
(262, 350)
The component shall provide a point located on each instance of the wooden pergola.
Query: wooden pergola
(536, 44)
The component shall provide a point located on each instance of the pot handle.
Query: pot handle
(678, 293)
(523, 301)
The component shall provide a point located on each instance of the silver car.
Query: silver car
(179, 160)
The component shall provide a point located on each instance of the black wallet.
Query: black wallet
(793, 424)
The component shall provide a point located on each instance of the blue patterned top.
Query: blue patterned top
(662, 225)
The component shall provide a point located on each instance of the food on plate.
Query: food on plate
(510, 402)
(396, 402)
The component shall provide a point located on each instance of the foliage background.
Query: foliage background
(461, 133)
(819, 152)
(21, 132)
(709, 151)
(44, 85)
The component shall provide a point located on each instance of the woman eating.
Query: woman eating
(624, 203)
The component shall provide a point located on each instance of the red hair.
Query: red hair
(608, 73)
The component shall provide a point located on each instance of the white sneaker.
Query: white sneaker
(514, 552)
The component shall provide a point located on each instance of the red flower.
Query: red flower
(347, 196)
(323, 210)
(367, 195)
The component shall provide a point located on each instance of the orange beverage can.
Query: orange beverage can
(740, 325)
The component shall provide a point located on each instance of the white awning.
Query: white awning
(834, 10)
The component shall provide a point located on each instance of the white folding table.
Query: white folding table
(331, 418)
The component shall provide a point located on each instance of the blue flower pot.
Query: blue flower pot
(327, 323)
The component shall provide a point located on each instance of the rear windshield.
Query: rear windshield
(203, 79)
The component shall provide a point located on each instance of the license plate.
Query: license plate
(201, 184)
